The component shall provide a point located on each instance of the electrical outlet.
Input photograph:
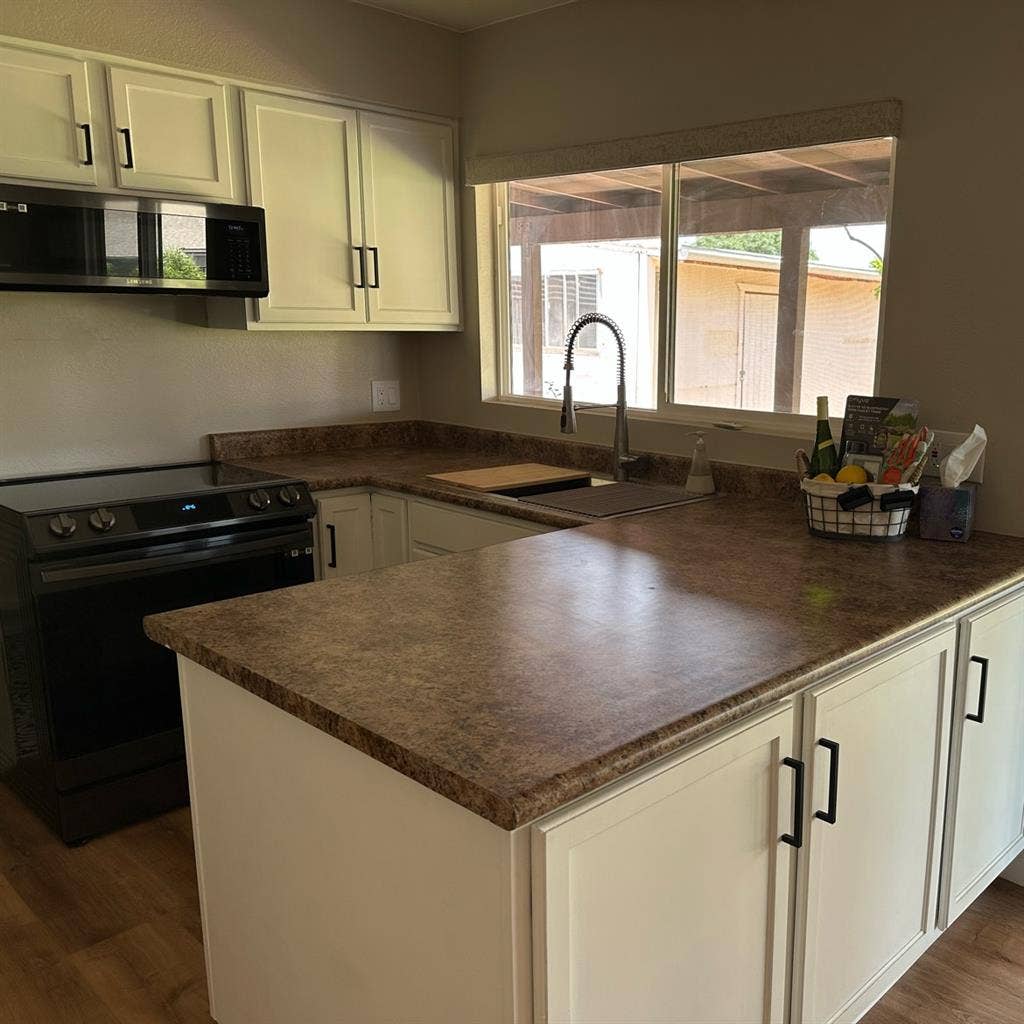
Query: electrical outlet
(385, 395)
(945, 442)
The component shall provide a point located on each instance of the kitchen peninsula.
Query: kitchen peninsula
(594, 775)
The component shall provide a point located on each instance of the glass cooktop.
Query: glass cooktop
(46, 494)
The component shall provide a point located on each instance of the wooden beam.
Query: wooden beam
(531, 187)
(789, 337)
(723, 177)
(625, 183)
(817, 167)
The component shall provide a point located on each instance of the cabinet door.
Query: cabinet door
(669, 899)
(45, 118)
(304, 171)
(409, 198)
(985, 828)
(870, 877)
(345, 535)
(390, 530)
(170, 133)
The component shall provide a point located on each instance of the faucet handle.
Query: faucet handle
(568, 422)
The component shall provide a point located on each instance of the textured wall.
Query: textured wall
(322, 45)
(604, 70)
(106, 380)
(102, 380)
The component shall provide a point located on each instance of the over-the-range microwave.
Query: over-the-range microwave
(63, 240)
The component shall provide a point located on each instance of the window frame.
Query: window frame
(784, 424)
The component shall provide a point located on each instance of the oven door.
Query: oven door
(112, 693)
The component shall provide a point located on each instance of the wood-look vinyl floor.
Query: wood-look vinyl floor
(109, 933)
(106, 933)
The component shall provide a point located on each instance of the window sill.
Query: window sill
(789, 425)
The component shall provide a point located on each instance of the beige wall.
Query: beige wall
(952, 335)
(102, 380)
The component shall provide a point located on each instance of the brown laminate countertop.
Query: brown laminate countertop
(518, 677)
(406, 468)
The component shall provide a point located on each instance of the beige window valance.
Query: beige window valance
(783, 131)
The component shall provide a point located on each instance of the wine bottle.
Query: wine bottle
(824, 458)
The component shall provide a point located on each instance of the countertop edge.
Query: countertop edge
(588, 777)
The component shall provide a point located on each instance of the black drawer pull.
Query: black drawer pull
(129, 156)
(333, 563)
(361, 283)
(979, 716)
(833, 782)
(87, 132)
(797, 837)
(376, 266)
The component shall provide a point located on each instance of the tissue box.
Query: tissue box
(947, 513)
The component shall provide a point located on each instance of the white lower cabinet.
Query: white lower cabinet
(669, 899)
(390, 521)
(985, 813)
(361, 530)
(344, 534)
(876, 745)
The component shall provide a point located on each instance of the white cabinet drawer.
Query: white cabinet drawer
(448, 530)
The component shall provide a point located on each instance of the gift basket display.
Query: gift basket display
(867, 490)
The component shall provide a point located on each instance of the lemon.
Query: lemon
(824, 478)
(852, 475)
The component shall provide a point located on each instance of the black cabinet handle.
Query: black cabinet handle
(361, 283)
(376, 266)
(129, 157)
(797, 838)
(833, 782)
(87, 132)
(979, 716)
(333, 563)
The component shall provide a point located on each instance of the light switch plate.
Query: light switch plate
(385, 395)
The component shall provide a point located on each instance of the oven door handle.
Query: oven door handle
(286, 544)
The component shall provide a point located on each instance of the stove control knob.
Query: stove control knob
(259, 500)
(63, 525)
(102, 520)
(290, 495)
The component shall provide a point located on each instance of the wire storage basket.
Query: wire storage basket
(878, 512)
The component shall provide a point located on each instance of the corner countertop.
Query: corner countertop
(407, 468)
(516, 678)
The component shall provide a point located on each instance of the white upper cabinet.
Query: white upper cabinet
(170, 133)
(303, 162)
(985, 824)
(46, 130)
(409, 204)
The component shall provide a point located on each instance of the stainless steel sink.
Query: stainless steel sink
(603, 499)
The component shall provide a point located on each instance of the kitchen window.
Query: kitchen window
(774, 299)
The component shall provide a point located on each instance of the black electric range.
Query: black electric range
(90, 716)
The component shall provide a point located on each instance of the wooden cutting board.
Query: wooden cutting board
(523, 474)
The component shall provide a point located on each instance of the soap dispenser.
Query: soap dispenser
(700, 480)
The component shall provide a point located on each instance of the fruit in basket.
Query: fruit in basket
(824, 478)
(852, 475)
